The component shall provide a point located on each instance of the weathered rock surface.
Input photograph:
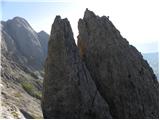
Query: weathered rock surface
(122, 76)
(10, 111)
(43, 38)
(22, 43)
(69, 91)
(20, 86)
(19, 91)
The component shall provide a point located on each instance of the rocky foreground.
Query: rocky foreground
(104, 77)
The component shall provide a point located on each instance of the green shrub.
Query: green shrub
(38, 95)
(30, 89)
(15, 114)
(18, 94)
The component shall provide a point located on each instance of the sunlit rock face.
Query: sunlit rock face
(122, 76)
(23, 52)
(26, 46)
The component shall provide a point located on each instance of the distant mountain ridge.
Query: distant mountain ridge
(23, 44)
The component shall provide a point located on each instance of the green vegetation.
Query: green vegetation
(15, 114)
(18, 94)
(38, 95)
(30, 89)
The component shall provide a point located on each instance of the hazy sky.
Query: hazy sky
(137, 20)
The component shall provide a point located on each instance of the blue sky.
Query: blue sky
(137, 20)
(39, 14)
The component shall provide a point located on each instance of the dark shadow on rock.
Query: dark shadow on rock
(26, 115)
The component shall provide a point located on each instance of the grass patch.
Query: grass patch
(15, 114)
(18, 94)
(38, 94)
(30, 89)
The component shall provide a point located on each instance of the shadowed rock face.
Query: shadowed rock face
(69, 91)
(122, 76)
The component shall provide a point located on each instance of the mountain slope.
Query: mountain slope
(43, 38)
(23, 43)
(23, 52)
(20, 91)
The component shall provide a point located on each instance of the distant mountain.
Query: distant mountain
(43, 38)
(23, 44)
(153, 60)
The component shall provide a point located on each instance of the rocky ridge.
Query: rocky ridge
(69, 91)
(124, 82)
(122, 76)
(104, 77)
(23, 44)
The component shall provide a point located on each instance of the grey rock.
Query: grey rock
(43, 38)
(17, 71)
(23, 43)
(122, 76)
(68, 89)
(12, 92)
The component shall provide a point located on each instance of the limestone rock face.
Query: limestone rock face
(43, 38)
(69, 91)
(26, 46)
(22, 56)
(122, 76)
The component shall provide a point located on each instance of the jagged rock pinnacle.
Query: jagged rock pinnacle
(122, 76)
(69, 91)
